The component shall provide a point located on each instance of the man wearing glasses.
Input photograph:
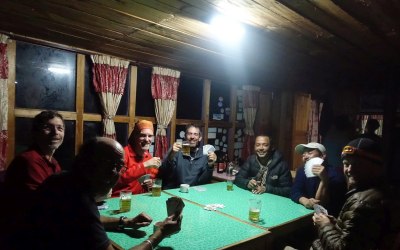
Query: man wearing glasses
(65, 215)
(193, 169)
(366, 219)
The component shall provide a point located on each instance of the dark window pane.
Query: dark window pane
(92, 100)
(45, 77)
(64, 154)
(93, 129)
(219, 102)
(122, 133)
(144, 100)
(190, 98)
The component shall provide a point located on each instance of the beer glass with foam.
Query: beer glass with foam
(254, 209)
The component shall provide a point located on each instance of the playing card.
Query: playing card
(174, 206)
(318, 209)
(309, 164)
(208, 148)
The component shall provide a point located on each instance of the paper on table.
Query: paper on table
(309, 164)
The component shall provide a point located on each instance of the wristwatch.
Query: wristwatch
(121, 224)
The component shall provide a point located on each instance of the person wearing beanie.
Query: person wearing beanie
(365, 219)
(138, 161)
(193, 169)
(323, 184)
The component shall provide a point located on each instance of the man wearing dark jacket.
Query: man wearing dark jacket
(193, 169)
(265, 171)
(366, 219)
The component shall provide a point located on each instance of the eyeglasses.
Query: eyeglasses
(350, 150)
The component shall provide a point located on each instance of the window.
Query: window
(45, 78)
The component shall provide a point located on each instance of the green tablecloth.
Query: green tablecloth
(201, 229)
(275, 211)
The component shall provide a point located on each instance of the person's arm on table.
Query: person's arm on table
(141, 220)
(243, 179)
(166, 228)
(297, 193)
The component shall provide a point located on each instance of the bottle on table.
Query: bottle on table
(221, 164)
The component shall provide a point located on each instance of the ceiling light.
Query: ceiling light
(227, 29)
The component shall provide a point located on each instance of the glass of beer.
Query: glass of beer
(156, 187)
(125, 198)
(229, 185)
(186, 148)
(254, 209)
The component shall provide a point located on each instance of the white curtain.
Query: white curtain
(164, 90)
(250, 104)
(109, 77)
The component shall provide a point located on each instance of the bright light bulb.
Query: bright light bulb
(227, 29)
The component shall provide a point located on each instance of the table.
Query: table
(201, 229)
(280, 215)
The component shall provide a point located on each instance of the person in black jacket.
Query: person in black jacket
(265, 171)
(369, 218)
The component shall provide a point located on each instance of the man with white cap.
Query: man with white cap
(316, 181)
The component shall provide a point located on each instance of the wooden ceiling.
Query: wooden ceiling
(288, 43)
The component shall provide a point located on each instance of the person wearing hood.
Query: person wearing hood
(265, 171)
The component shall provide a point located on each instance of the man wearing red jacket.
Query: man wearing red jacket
(138, 160)
(30, 169)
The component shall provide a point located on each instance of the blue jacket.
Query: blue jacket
(279, 179)
(307, 187)
(183, 169)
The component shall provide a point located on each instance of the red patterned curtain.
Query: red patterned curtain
(3, 101)
(164, 89)
(250, 104)
(313, 122)
(109, 77)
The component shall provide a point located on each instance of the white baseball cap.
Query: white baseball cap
(312, 145)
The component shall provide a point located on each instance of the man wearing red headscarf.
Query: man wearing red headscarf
(138, 161)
